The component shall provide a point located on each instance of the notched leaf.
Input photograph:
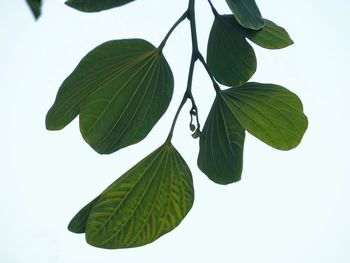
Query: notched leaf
(148, 201)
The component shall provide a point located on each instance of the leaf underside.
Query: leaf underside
(270, 112)
(35, 6)
(230, 58)
(148, 201)
(221, 145)
(95, 6)
(120, 90)
(247, 13)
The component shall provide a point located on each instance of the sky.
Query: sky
(289, 206)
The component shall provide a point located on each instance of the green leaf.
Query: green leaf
(271, 36)
(221, 145)
(270, 112)
(95, 5)
(120, 89)
(247, 13)
(230, 58)
(145, 203)
(35, 6)
(78, 223)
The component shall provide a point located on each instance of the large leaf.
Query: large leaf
(78, 223)
(95, 5)
(269, 112)
(221, 145)
(230, 58)
(271, 36)
(146, 202)
(247, 13)
(35, 6)
(120, 89)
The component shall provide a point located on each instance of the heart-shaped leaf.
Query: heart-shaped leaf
(269, 112)
(221, 145)
(247, 13)
(35, 6)
(95, 5)
(120, 89)
(230, 58)
(145, 203)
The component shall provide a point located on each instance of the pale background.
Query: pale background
(289, 207)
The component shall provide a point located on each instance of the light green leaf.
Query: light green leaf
(35, 6)
(78, 223)
(271, 36)
(230, 58)
(270, 112)
(95, 5)
(145, 203)
(247, 13)
(221, 145)
(120, 89)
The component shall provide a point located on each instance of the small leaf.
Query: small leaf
(271, 36)
(120, 89)
(230, 58)
(270, 112)
(221, 145)
(35, 6)
(247, 13)
(95, 5)
(145, 203)
(78, 223)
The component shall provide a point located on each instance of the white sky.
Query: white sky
(289, 207)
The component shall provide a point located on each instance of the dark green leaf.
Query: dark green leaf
(271, 36)
(78, 223)
(230, 58)
(145, 203)
(120, 89)
(35, 6)
(247, 13)
(269, 112)
(221, 145)
(95, 5)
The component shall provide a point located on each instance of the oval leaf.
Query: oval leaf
(145, 203)
(271, 36)
(270, 112)
(121, 89)
(35, 7)
(95, 5)
(78, 223)
(221, 145)
(230, 58)
(247, 13)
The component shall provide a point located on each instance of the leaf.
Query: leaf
(95, 5)
(120, 89)
(270, 112)
(221, 145)
(35, 6)
(148, 201)
(230, 58)
(78, 223)
(271, 36)
(247, 13)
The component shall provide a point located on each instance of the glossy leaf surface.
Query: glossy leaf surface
(270, 112)
(35, 6)
(221, 145)
(146, 202)
(120, 89)
(230, 58)
(247, 13)
(271, 36)
(95, 5)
